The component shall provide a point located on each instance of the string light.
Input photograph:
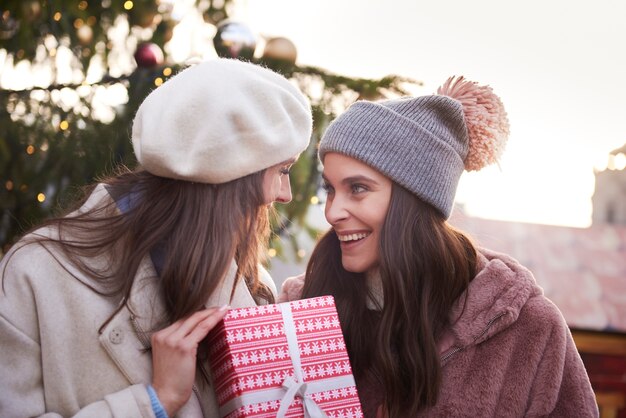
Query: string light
(315, 200)
(8, 185)
(128, 5)
(64, 125)
(30, 150)
(158, 81)
(301, 253)
(272, 252)
(167, 71)
(83, 5)
(23, 188)
(57, 16)
(78, 23)
(41, 197)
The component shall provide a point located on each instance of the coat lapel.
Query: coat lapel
(127, 336)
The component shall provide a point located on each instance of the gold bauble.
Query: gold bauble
(280, 48)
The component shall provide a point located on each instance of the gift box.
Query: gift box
(283, 360)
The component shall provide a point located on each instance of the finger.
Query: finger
(188, 324)
(202, 329)
(175, 327)
(181, 328)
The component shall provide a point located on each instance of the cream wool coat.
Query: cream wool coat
(53, 361)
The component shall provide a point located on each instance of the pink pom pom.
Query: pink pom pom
(485, 117)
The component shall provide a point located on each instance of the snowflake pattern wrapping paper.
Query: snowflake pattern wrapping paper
(283, 360)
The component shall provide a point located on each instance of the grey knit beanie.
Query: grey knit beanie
(424, 143)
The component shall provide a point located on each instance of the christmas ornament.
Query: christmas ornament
(84, 35)
(280, 49)
(8, 26)
(148, 55)
(234, 40)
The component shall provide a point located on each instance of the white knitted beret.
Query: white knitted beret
(220, 120)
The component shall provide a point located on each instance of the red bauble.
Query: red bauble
(148, 55)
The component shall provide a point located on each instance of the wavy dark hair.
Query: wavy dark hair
(425, 266)
(197, 229)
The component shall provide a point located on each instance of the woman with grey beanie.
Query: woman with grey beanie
(434, 325)
(103, 312)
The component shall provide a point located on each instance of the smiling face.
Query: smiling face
(356, 207)
(276, 185)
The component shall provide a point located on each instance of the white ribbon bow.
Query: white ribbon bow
(311, 408)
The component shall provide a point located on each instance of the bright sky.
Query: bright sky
(558, 65)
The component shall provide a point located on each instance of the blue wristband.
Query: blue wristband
(157, 408)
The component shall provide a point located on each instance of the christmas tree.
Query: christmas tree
(85, 66)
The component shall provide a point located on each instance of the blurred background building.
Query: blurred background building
(609, 198)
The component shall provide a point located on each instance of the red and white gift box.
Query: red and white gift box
(283, 360)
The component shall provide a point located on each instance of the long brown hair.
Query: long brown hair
(198, 229)
(425, 265)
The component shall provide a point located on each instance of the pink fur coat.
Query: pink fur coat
(509, 352)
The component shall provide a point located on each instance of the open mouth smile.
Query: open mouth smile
(353, 237)
(350, 242)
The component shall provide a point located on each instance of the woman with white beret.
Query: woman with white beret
(103, 311)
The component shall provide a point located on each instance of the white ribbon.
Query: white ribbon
(291, 386)
(297, 386)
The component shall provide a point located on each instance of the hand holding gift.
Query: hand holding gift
(174, 349)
